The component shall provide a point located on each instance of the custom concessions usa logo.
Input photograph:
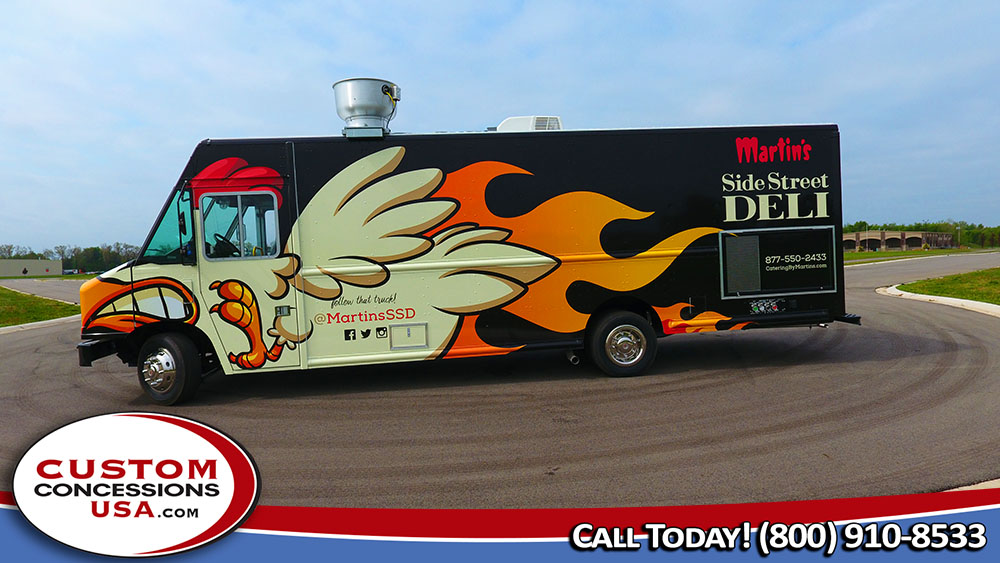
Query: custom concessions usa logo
(136, 484)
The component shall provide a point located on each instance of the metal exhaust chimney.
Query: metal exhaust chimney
(366, 105)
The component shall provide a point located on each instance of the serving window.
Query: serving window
(785, 261)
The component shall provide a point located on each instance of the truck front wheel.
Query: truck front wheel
(169, 368)
(622, 344)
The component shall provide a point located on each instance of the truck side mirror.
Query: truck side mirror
(181, 221)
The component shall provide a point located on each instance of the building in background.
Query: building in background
(896, 240)
(29, 268)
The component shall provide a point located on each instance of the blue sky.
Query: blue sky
(101, 103)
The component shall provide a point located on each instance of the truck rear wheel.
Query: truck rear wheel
(622, 344)
(169, 368)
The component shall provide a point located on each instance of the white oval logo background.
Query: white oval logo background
(159, 484)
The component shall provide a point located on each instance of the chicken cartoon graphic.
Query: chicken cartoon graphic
(368, 229)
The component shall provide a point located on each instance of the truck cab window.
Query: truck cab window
(170, 243)
(240, 225)
(259, 225)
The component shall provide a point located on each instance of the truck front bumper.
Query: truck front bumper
(90, 350)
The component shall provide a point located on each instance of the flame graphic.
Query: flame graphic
(567, 226)
(674, 323)
(469, 343)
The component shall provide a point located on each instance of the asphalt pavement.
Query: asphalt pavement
(905, 403)
(52, 288)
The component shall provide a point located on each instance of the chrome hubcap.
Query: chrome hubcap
(625, 345)
(159, 370)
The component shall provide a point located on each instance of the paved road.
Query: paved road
(905, 403)
(53, 288)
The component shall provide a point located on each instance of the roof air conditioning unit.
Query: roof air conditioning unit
(531, 123)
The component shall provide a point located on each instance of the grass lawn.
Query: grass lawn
(897, 254)
(59, 277)
(17, 308)
(983, 285)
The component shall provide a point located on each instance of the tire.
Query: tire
(622, 344)
(169, 368)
